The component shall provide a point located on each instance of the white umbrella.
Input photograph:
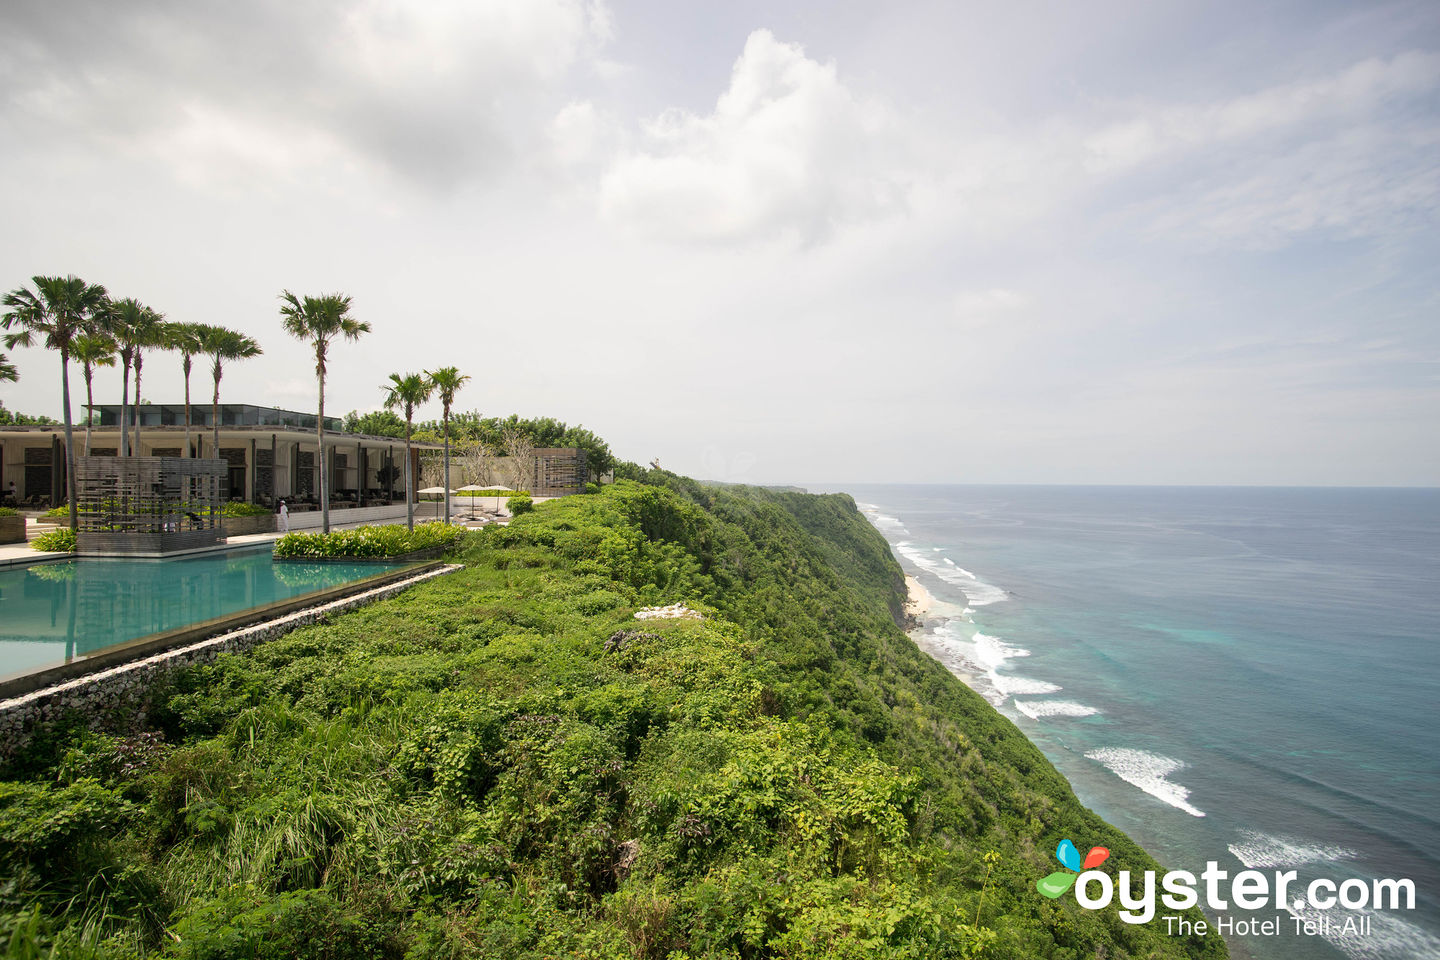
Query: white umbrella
(499, 486)
(470, 488)
(433, 492)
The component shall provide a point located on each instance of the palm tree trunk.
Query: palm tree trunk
(324, 474)
(215, 409)
(447, 466)
(69, 440)
(187, 405)
(124, 408)
(89, 405)
(409, 482)
(139, 360)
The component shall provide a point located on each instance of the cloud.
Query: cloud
(436, 94)
(788, 150)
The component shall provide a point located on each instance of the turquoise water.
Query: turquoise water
(52, 612)
(1249, 676)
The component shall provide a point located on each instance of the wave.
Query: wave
(977, 592)
(1035, 709)
(1148, 771)
(1262, 850)
(882, 521)
(1387, 937)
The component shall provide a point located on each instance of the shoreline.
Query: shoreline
(918, 603)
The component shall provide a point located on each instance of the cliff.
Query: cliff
(507, 762)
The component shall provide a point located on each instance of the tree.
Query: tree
(407, 393)
(188, 340)
(132, 326)
(58, 310)
(447, 381)
(8, 373)
(92, 350)
(521, 450)
(318, 321)
(224, 344)
(380, 423)
(147, 330)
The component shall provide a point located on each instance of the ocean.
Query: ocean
(1245, 675)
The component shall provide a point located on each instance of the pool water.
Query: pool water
(53, 612)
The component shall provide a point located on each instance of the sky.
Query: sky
(1164, 242)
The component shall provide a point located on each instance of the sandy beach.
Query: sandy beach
(919, 602)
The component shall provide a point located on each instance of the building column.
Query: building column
(250, 474)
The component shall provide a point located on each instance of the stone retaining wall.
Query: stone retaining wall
(116, 697)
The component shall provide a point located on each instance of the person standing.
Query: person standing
(284, 518)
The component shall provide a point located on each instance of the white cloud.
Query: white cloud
(1346, 97)
(788, 150)
(437, 94)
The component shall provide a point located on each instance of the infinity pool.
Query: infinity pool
(52, 612)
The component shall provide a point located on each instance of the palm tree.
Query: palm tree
(58, 309)
(447, 381)
(186, 339)
(318, 321)
(124, 323)
(408, 392)
(148, 330)
(8, 373)
(92, 350)
(224, 344)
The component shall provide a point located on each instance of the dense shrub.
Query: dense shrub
(519, 504)
(390, 540)
(60, 541)
(9, 512)
(238, 509)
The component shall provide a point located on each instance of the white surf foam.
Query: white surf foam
(882, 521)
(1263, 851)
(1148, 771)
(1012, 686)
(1385, 937)
(1035, 709)
(977, 592)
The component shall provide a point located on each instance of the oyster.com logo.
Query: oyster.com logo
(1061, 880)
(1247, 890)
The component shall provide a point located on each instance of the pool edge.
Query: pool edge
(118, 654)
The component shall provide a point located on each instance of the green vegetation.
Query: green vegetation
(490, 493)
(9, 418)
(55, 313)
(446, 382)
(503, 762)
(238, 509)
(9, 512)
(381, 423)
(319, 321)
(391, 540)
(520, 503)
(222, 343)
(407, 393)
(92, 350)
(188, 340)
(60, 541)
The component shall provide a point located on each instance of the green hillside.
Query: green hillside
(504, 762)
